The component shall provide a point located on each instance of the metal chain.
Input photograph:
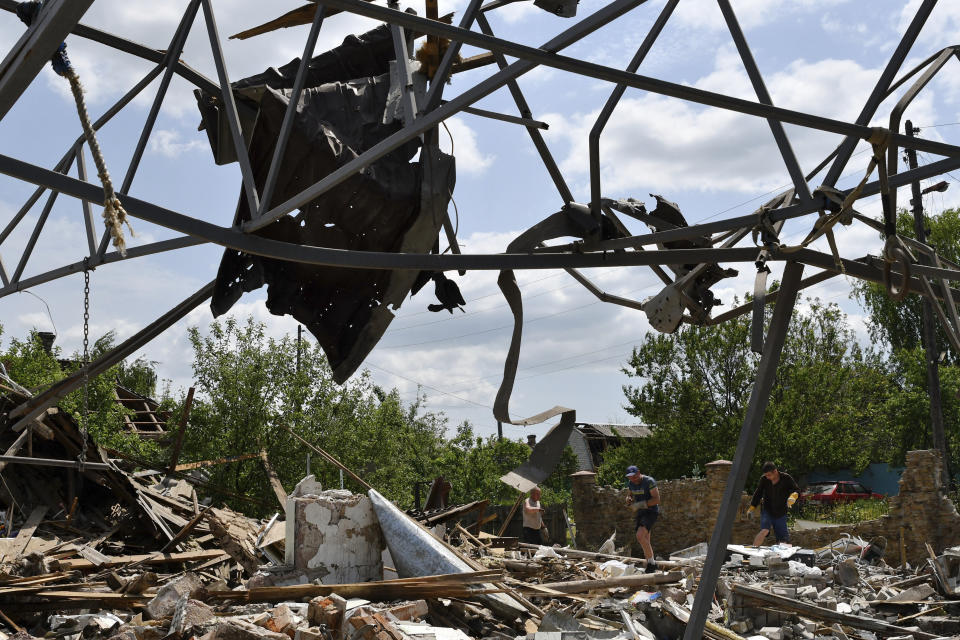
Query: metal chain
(85, 417)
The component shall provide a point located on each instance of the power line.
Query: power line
(420, 384)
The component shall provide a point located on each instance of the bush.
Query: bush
(843, 512)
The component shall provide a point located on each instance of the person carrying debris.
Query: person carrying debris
(532, 517)
(779, 491)
(644, 500)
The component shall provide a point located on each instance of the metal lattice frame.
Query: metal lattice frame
(928, 275)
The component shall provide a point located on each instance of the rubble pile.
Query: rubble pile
(105, 548)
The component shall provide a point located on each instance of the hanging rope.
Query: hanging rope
(114, 215)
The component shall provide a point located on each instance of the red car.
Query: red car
(840, 491)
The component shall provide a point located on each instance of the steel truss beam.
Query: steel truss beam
(60, 17)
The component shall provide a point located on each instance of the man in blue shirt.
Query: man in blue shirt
(644, 499)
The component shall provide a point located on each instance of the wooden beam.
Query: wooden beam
(275, 483)
(213, 463)
(182, 429)
(187, 528)
(26, 533)
(146, 559)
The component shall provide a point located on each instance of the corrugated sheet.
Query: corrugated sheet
(614, 430)
(579, 445)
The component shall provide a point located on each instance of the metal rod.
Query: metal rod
(897, 112)
(385, 260)
(3, 273)
(34, 48)
(408, 101)
(230, 109)
(39, 403)
(547, 56)
(880, 90)
(32, 200)
(614, 99)
(290, 112)
(756, 79)
(133, 48)
(493, 115)
(440, 76)
(89, 223)
(759, 398)
(566, 38)
(538, 142)
(929, 333)
(173, 55)
(114, 256)
(50, 462)
(37, 228)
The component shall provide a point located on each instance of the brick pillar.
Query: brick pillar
(584, 501)
(717, 473)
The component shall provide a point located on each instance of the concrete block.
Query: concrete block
(771, 633)
(740, 626)
(163, 604)
(335, 533)
(807, 591)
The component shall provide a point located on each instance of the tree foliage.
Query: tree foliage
(30, 365)
(897, 325)
(249, 389)
(833, 404)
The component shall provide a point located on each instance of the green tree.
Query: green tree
(827, 406)
(897, 324)
(249, 390)
(30, 365)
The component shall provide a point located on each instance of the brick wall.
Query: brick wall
(689, 510)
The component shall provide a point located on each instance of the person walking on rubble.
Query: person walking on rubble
(532, 517)
(644, 500)
(779, 491)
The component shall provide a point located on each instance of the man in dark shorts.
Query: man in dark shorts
(644, 499)
(778, 491)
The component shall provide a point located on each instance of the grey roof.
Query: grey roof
(613, 430)
(578, 443)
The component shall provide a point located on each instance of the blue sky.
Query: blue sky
(820, 56)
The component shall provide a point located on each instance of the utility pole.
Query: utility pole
(929, 335)
(499, 431)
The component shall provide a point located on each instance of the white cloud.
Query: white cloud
(705, 14)
(662, 144)
(168, 143)
(463, 141)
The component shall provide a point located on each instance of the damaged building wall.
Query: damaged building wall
(921, 512)
(333, 535)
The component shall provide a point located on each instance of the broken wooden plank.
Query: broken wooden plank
(26, 532)
(146, 559)
(182, 429)
(275, 483)
(636, 580)
(187, 528)
(187, 466)
(14, 448)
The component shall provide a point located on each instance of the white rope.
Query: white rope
(114, 215)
